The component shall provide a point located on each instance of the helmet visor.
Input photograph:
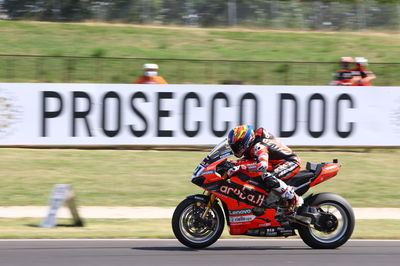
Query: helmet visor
(238, 148)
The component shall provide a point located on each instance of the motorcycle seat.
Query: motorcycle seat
(300, 178)
(315, 168)
(311, 166)
(305, 174)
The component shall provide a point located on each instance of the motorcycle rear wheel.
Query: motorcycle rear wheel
(336, 225)
(191, 230)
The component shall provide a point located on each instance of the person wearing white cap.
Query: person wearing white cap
(150, 75)
(361, 74)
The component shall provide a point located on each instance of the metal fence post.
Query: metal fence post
(232, 17)
(10, 68)
(209, 73)
(67, 69)
(398, 15)
(287, 74)
(39, 69)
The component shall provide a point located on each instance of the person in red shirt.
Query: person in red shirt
(361, 75)
(262, 152)
(344, 76)
(150, 75)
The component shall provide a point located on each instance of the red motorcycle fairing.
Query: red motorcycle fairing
(241, 193)
(328, 171)
(239, 197)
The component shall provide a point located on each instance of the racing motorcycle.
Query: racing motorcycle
(324, 221)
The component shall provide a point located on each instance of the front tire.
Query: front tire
(193, 231)
(335, 225)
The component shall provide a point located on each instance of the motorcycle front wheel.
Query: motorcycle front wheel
(335, 224)
(191, 229)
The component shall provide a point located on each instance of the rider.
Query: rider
(263, 153)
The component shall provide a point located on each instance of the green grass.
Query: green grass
(162, 178)
(107, 40)
(151, 228)
(94, 228)
(43, 38)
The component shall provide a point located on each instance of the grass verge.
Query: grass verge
(93, 40)
(132, 41)
(369, 178)
(152, 228)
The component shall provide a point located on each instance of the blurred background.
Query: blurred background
(350, 15)
(198, 51)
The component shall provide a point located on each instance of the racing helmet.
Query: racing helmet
(240, 139)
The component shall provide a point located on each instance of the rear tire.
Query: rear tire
(337, 224)
(191, 230)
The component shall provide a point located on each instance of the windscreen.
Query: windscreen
(220, 151)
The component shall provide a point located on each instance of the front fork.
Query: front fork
(210, 204)
(212, 199)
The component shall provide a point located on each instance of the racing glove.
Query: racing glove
(235, 169)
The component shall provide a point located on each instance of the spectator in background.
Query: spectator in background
(361, 75)
(344, 75)
(150, 75)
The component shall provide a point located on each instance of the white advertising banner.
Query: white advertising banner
(127, 114)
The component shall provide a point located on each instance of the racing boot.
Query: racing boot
(287, 192)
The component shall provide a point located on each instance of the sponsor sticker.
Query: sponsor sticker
(264, 225)
(242, 194)
(207, 172)
(241, 219)
(240, 212)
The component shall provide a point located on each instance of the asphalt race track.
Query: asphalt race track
(171, 252)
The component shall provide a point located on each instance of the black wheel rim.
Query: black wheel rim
(335, 223)
(195, 229)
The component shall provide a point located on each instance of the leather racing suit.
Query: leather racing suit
(269, 154)
(274, 160)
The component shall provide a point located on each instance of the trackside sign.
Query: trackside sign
(126, 114)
